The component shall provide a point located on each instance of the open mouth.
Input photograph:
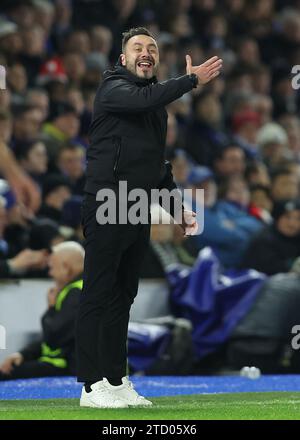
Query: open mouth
(145, 64)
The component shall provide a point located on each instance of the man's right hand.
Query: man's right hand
(206, 71)
(14, 359)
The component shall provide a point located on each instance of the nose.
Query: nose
(145, 52)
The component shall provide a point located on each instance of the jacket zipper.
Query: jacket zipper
(118, 152)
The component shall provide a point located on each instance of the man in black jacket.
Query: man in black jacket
(127, 141)
(54, 353)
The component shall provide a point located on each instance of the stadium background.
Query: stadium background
(237, 138)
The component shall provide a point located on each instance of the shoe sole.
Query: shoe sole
(92, 405)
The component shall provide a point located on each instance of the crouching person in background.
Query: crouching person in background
(54, 353)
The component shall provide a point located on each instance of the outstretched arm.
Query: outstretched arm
(120, 95)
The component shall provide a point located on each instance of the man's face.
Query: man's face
(232, 163)
(141, 56)
(289, 223)
(58, 268)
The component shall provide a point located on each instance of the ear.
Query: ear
(123, 59)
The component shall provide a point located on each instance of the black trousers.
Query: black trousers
(113, 256)
(31, 369)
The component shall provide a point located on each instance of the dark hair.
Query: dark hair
(280, 172)
(70, 147)
(23, 148)
(221, 151)
(132, 33)
(261, 187)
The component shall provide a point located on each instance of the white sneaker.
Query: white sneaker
(127, 393)
(101, 397)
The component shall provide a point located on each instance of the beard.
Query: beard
(142, 72)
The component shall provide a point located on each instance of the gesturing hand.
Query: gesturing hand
(206, 71)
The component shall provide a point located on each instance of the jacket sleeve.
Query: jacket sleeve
(168, 183)
(4, 269)
(59, 326)
(119, 95)
(32, 351)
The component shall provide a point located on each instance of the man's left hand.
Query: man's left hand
(189, 223)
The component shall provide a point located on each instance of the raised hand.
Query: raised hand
(206, 71)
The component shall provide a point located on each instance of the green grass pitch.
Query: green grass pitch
(235, 406)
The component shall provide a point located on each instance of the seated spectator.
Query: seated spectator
(273, 144)
(291, 124)
(61, 127)
(261, 203)
(229, 161)
(27, 123)
(256, 173)
(227, 228)
(54, 353)
(181, 164)
(71, 217)
(263, 337)
(274, 248)
(284, 185)
(14, 223)
(71, 163)
(204, 134)
(56, 191)
(32, 156)
(245, 126)
(39, 98)
(44, 234)
(234, 191)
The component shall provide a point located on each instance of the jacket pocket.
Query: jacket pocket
(117, 143)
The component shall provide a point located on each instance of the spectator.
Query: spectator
(261, 203)
(256, 173)
(54, 353)
(181, 164)
(56, 191)
(39, 98)
(27, 122)
(62, 126)
(245, 126)
(71, 164)
(204, 131)
(229, 161)
(23, 187)
(273, 142)
(227, 228)
(274, 249)
(284, 185)
(45, 234)
(32, 157)
(263, 336)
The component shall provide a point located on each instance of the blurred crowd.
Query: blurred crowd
(237, 138)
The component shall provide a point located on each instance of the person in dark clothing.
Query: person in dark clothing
(264, 337)
(54, 353)
(274, 249)
(127, 141)
(56, 191)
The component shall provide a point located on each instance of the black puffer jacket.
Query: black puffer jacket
(128, 132)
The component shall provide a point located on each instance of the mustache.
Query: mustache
(150, 59)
